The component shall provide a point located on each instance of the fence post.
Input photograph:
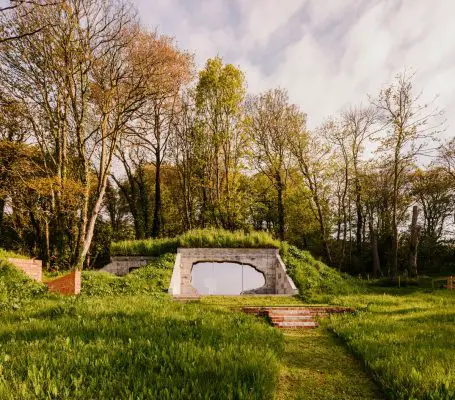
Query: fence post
(450, 283)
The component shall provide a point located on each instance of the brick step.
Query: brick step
(277, 318)
(296, 324)
(293, 312)
(185, 298)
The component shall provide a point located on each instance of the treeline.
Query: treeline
(108, 132)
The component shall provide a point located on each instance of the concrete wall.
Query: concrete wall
(267, 261)
(122, 265)
(32, 268)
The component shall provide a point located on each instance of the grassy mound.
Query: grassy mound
(4, 254)
(135, 347)
(316, 281)
(195, 238)
(407, 341)
(153, 278)
(16, 288)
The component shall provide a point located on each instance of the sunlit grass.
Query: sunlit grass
(135, 348)
(195, 238)
(4, 254)
(407, 340)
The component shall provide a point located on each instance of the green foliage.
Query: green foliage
(10, 254)
(145, 247)
(406, 340)
(135, 347)
(222, 238)
(153, 278)
(316, 281)
(195, 238)
(16, 288)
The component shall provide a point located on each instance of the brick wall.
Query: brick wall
(69, 284)
(32, 268)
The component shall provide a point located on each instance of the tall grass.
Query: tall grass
(135, 348)
(4, 254)
(407, 341)
(16, 289)
(194, 238)
(152, 278)
(317, 282)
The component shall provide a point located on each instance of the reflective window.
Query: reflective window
(225, 278)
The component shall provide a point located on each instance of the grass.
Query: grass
(4, 254)
(138, 347)
(195, 238)
(16, 289)
(406, 339)
(152, 278)
(317, 283)
(316, 365)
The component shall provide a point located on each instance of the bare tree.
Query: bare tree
(410, 127)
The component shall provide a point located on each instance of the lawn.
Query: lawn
(406, 339)
(135, 347)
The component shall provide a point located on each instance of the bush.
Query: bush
(16, 288)
(153, 278)
(194, 238)
(316, 281)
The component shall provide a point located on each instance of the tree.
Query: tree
(409, 128)
(313, 159)
(270, 122)
(80, 85)
(219, 95)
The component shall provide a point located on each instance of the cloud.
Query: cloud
(328, 54)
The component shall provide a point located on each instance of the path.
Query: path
(317, 366)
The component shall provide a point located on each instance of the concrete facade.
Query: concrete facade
(122, 265)
(267, 261)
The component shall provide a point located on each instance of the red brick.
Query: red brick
(32, 268)
(69, 284)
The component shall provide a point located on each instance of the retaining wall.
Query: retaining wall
(32, 268)
(68, 284)
(267, 261)
(123, 265)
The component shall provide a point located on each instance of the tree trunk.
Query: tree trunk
(281, 221)
(358, 235)
(156, 226)
(414, 243)
(374, 251)
(2, 212)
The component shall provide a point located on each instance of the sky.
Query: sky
(328, 54)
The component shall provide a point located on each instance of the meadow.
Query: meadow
(135, 347)
(123, 337)
(406, 338)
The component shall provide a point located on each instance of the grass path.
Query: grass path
(316, 365)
